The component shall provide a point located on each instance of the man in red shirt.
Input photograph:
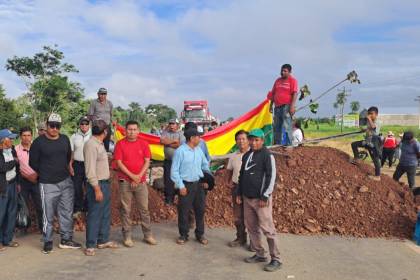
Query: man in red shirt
(283, 96)
(133, 159)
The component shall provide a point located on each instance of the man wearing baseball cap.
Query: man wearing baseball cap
(77, 166)
(171, 138)
(41, 128)
(9, 169)
(188, 167)
(256, 184)
(101, 108)
(50, 157)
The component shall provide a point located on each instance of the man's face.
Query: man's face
(285, 73)
(256, 143)
(84, 126)
(242, 142)
(132, 132)
(41, 132)
(53, 129)
(373, 115)
(6, 143)
(102, 97)
(172, 127)
(26, 138)
(195, 140)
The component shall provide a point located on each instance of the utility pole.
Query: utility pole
(418, 100)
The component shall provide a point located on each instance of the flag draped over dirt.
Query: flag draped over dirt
(221, 140)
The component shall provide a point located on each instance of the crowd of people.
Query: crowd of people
(64, 177)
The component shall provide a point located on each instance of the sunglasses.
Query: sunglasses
(102, 93)
(54, 125)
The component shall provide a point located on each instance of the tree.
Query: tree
(161, 112)
(48, 87)
(355, 106)
(340, 102)
(9, 116)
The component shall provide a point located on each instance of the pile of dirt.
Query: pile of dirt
(317, 192)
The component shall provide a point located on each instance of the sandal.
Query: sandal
(181, 240)
(202, 240)
(12, 244)
(108, 245)
(2, 248)
(90, 252)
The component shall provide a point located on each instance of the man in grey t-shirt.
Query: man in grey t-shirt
(101, 108)
(171, 138)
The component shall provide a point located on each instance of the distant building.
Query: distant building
(399, 119)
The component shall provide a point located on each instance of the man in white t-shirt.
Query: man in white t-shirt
(234, 166)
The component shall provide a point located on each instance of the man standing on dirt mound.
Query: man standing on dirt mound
(256, 184)
(371, 143)
(283, 97)
(50, 157)
(133, 159)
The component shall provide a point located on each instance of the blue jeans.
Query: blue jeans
(98, 215)
(282, 120)
(8, 209)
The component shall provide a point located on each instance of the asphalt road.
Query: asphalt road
(304, 257)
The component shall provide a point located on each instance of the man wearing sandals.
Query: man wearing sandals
(9, 169)
(133, 159)
(187, 169)
(98, 193)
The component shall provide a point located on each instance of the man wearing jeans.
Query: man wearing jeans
(133, 159)
(98, 194)
(50, 157)
(283, 96)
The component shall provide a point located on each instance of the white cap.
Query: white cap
(200, 129)
(54, 118)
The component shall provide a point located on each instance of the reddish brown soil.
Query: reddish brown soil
(317, 192)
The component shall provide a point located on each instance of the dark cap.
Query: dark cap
(102, 91)
(84, 119)
(191, 132)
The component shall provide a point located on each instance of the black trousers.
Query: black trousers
(373, 152)
(411, 174)
(387, 154)
(169, 184)
(108, 138)
(196, 200)
(79, 182)
(31, 192)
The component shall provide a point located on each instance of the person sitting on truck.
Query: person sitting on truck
(371, 143)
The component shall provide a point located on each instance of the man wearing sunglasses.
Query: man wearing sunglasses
(101, 108)
(50, 157)
(77, 167)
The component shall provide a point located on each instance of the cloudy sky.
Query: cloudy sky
(228, 52)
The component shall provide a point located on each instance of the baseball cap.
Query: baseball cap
(173, 121)
(54, 118)
(200, 129)
(191, 132)
(189, 125)
(102, 91)
(6, 133)
(84, 119)
(259, 133)
(42, 126)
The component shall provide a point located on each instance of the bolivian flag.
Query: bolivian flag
(220, 141)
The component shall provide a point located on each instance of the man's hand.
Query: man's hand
(134, 185)
(99, 196)
(205, 186)
(136, 178)
(18, 188)
(71, 170)
(238, 200)
(183, 191)
(292, 110)
(33, 178)
(263, 203)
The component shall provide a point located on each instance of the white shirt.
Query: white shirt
(77, 142)
(8, 156)
(297, 137)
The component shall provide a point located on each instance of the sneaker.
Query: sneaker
(255, 259)
(150, 240)
(128, 242)
(69, 244)
(77, 215)
(48, 247)
(272, 266)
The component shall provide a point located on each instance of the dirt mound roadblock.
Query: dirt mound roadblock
(317, 192)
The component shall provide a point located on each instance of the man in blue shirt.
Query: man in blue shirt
(188, 165)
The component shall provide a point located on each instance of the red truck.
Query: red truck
(197, 112)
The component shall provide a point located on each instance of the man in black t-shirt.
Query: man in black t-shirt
(50, 157)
